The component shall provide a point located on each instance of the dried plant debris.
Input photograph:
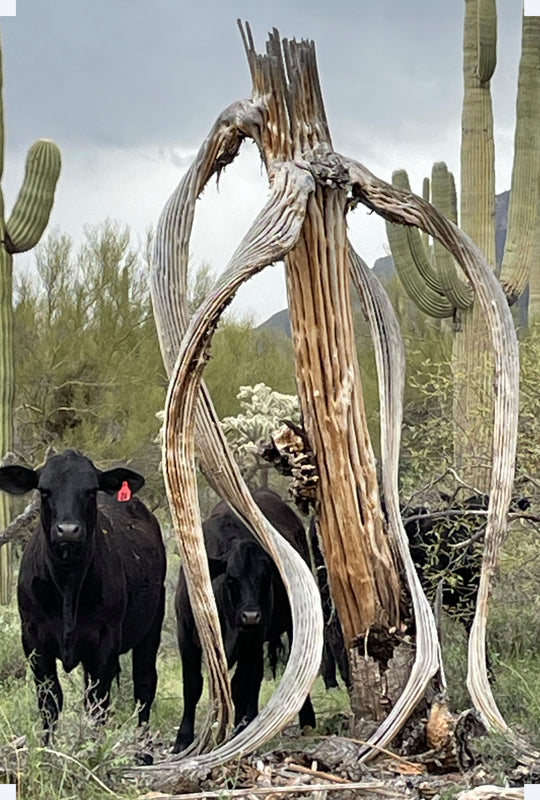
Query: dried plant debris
(289, 451)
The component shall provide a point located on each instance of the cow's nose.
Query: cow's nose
(250, 617)
(69, 532)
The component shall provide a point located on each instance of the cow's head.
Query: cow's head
(68, 485)
(248, 574)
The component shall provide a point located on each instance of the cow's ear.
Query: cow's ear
(18, 480)
(217, 566)
(111, 481)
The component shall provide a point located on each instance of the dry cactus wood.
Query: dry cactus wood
(274, 229)
(298, 177)
(390, 357)
(489, 792)
(274, 792)
(395, 205)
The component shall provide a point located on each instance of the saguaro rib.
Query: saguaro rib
(406, 208)
(271, 235)
(390, 358)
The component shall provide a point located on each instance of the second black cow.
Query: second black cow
(253, 610)
(91, 581)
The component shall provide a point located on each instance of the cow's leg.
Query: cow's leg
(49, 692)
(246, 685)
(100, 668)
(306, 715)
(192, 679)
(98, 690)
(328, 665)
(336, 644)
(144, 665)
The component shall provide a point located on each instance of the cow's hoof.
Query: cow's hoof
(181, 744)
(144, 759)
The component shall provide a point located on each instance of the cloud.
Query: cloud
(129, 90)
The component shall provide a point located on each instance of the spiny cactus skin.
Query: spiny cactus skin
(436, 291)
(486, 16)
(443, 198)
(518, 260)
(477, 144)
(21, 232)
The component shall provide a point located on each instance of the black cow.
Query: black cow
(91, 581)
(448, 547)
(334, 655)
(253, 609)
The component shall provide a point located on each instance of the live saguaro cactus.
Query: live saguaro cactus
(429, 276)
(21, 232)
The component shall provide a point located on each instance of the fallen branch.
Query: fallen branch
(22, 527)
(222, 794)
(492, 793)
(316, 773)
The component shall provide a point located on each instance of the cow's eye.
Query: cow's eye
(91, 493)
(45, 494)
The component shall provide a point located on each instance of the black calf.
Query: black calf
(253, 609)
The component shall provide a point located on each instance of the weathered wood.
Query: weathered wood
(362, 573)
(407, 208)
(360, 788)
(273, 232)
(390, 359)
(492, 793)
(312, 188)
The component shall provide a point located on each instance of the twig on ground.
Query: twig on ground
(89, 772)
(223, 794)
(316, 773)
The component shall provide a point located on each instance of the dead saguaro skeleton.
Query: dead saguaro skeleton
(312, 188)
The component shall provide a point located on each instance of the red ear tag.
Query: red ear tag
(125, 493)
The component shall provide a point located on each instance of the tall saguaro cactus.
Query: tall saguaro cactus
(436, 288)
(21, 232)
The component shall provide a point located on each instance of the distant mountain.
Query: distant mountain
(501, 223)
(385, 270)
(280, 321)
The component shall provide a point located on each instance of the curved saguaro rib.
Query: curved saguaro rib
(408, 209)
(171, 248)
(272, 234)
(390, 358)
(169, 292)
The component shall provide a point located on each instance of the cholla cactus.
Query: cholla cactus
(263, 412)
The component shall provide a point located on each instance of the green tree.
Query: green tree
(95, 380)
(242, 355)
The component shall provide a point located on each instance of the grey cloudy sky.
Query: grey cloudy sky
(129, 88)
